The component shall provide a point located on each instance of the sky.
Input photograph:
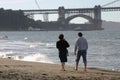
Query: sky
(54, 4)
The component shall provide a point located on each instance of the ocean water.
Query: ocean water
(40, 46)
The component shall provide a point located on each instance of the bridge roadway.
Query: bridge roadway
(73, 10)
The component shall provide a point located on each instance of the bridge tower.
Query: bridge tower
(96, 11)
(61, 15)
(97, 16)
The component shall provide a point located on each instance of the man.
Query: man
(62, 46)
(81, 47)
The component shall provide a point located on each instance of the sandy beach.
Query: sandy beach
(22, 70)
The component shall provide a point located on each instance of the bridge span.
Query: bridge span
(93, 15)
(73, 10)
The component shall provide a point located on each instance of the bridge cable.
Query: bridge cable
(36, 2)
(110, 3)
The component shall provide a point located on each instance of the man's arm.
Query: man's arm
(75, 49)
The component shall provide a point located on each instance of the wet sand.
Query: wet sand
(22, 70)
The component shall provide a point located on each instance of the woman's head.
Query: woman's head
(61, 36)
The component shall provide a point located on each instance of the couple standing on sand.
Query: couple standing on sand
(81, 47)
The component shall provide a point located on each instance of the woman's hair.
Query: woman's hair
(61, 36)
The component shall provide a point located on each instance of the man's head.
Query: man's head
(61, 36)
(80, 34)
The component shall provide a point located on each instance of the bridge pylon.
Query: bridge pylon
(97, 16)
(61, 17)
(95, 21)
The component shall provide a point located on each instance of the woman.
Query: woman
(62, 46)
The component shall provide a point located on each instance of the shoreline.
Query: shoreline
(24, 70)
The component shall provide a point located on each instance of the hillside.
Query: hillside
(111, 25)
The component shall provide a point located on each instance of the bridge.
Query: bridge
(93, 15)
